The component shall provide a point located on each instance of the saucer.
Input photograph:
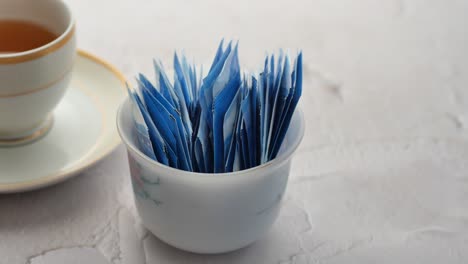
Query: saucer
(82, 133)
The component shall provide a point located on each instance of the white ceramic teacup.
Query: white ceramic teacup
(33, 82)
(208, 213)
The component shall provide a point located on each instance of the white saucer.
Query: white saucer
(83, 131)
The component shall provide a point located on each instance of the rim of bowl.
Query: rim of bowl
(70, 27)
(276, 162)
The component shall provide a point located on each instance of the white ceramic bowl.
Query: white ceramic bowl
(208, 213)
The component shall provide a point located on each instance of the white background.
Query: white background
(381, 176)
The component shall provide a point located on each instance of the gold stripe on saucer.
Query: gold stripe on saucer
(29, 138)
(56, 44)
(104, 63)
(43, 87)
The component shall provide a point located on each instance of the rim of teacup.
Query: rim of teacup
(57, 43)
(282, 157)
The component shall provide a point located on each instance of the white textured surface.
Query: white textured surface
(381, 176)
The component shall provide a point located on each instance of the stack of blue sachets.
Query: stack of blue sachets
(225, 121)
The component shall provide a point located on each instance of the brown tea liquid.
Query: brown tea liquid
(19, 36)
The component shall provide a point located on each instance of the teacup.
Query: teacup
(32, 82)
(208, 213)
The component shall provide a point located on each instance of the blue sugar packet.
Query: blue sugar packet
(169, 119)
(210, 88)
(163, 123)
(142, 130)
(221, 122)
(237, 145)
(229, 133)
(171, 105)
(247, 134)
(225, 89)
(282, 91)
(295, 95)
(183, 90)
(148, 137)
(273, 100)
